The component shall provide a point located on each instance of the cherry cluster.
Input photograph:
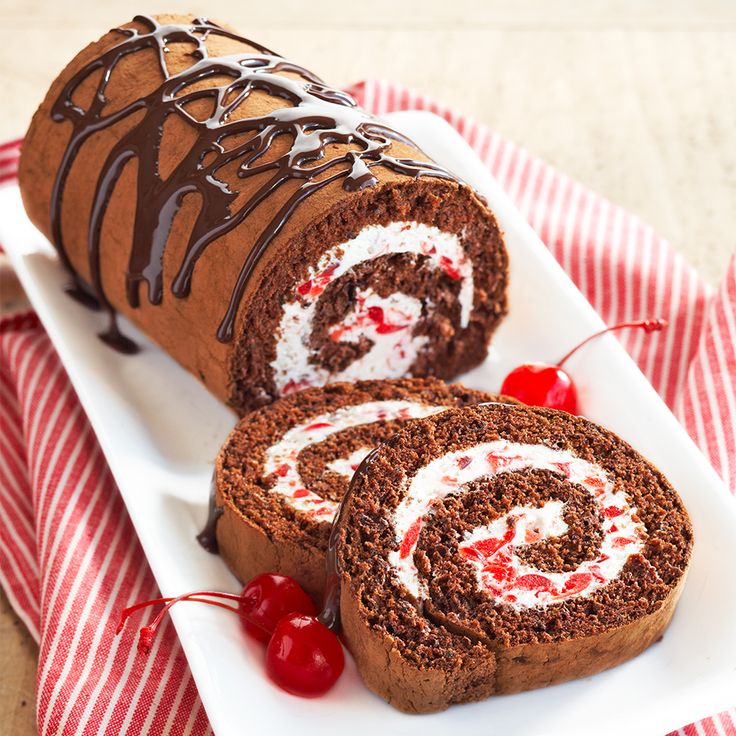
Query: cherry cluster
(303, 656)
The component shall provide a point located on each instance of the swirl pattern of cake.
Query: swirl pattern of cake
(285, 467)
(255, 222)
(501, 548)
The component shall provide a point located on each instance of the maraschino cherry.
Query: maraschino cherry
(544, 384)
(303, 656)
(266, 599)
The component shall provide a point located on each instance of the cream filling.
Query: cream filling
(491, 549)
(388, 322)
(282, 458)
(346, 466)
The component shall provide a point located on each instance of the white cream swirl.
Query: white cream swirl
(388, 322)
(282, 458)
(491, 549)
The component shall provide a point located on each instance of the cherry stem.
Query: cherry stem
(648, 325)
(147, 632)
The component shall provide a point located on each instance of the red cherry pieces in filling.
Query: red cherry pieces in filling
(544, 384)
(303, 656)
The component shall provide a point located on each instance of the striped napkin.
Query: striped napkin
(70, 560)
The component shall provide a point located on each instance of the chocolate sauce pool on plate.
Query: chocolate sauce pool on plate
(314, 116)
(208, 536)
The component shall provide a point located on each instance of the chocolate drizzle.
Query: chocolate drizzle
(314, 117)
(330, 613)
(208, 536)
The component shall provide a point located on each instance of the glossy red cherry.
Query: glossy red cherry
(544, 384)
(541, 384)
(304, 657)
(267, 598)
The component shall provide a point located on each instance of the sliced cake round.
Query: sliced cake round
(501, 548)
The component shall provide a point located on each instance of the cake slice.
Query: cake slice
(284, 469)
(500, 548)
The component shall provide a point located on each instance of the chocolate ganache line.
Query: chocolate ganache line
(330, 613)
(207, 538)
(316, 117)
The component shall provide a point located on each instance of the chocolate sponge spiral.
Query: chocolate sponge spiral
(500, 548)
(254, 221)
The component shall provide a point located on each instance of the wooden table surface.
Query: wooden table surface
(633, 98)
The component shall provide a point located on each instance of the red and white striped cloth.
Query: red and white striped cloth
(70, 560)
(9, 155)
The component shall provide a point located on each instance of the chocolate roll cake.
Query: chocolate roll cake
(263, 229)
(500, 548)
(284, 469)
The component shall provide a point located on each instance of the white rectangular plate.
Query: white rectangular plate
(160, 430)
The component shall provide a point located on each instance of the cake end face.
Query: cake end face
(403, 280)
(530, 534)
